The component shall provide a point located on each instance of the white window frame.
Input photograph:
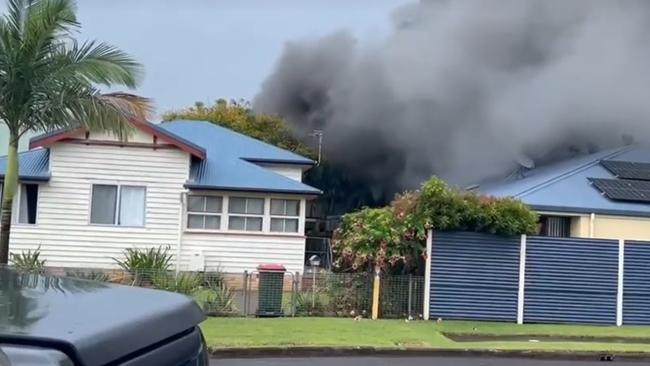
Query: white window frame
(117, 204)
(225, 214)
(221, 214)
(284, 217)
(15, 207)
(263, 215)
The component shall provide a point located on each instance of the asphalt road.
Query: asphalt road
(410, 361)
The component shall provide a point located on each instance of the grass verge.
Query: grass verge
(333, 332)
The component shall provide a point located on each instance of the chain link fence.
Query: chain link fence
(314, 293)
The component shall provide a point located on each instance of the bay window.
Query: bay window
(285, 215)
(121, 205)
(245, 214)
(204, 212)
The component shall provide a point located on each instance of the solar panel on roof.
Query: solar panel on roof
(628, 169)
(623, 189)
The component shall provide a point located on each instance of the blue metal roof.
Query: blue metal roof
(33, 165)
(231, 157)
(565, 187)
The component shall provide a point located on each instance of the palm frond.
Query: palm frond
(47, 20)
(15, 16)
(97, 63)
(48, 81)
(110, 112)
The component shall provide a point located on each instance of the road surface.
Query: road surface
(411, 361)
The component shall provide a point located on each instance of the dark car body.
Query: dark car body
(48, 320)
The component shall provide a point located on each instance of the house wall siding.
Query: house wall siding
(621, 227)
(609, 226)
(243, 252)
(580, 226)
(289, 171)
(239, 251)
(62, 229)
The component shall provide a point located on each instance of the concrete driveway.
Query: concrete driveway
(410, 361)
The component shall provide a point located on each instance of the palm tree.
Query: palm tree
(50, 81)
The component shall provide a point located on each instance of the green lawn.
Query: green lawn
(248, 332)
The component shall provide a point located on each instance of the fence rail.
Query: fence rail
(314, 293)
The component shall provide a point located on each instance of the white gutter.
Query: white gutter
(592, 219)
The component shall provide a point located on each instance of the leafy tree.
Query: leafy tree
(49, 81)
(239, 116)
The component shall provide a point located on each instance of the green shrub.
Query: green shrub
(219, 300)
(142, 264)
(310, 303)
(349, 294)
(393, 237)
(184, 282)
(28, 261)
(88, 275)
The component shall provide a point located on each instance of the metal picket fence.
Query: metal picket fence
(314, 293)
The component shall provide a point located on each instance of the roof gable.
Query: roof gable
(158, 133)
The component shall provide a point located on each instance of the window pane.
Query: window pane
(213, 204)
(195, 221)
(237, 205)
(277, 225)
(195, 203)
(291, 225)
(293, 208)
(132, 206)
(253, 224)
(277, 207)
(255, 206)
(213, 222)
(28, 203)
(236, 223)
(102, 210)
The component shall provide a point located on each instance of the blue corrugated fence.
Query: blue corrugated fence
(566, 280)
(636, 280)
(474, 276)
(571, 280)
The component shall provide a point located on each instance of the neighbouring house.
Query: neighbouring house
(601, 195)
(218, 198)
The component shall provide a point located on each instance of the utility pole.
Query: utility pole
(319, 135)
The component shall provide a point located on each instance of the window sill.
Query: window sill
(22, 224)
(117, 226)
(245, 233)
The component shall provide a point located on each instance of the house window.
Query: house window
(285, 215)
(117, 205)
(28, 203)
(204, 212)
(556, 226)
(245, 214)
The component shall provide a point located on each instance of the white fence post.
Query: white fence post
(522, 280)
(619, 293)
(427, 276)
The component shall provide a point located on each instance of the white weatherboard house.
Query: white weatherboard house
(216, 197)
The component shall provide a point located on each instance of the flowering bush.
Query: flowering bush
(392, 238)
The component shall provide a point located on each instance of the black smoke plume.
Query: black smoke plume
(463, 89)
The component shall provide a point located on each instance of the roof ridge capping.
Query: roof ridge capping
(573, 171)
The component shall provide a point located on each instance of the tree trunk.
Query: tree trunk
(9, 190)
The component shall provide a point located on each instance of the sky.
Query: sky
(207, 49)
(202, 50)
